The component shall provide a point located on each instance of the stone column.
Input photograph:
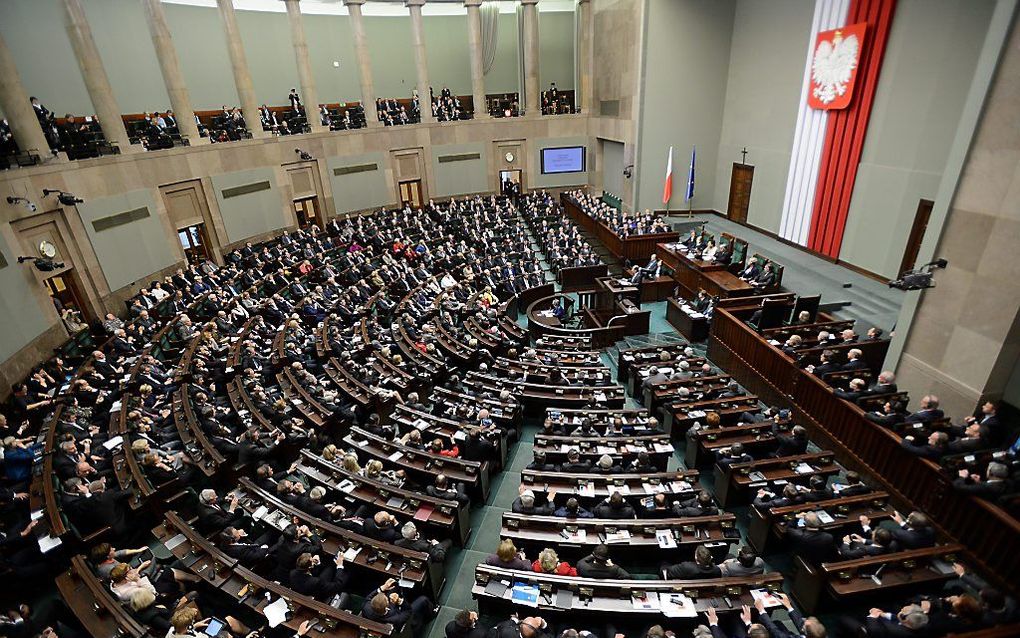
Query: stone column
(96, 81)
(532, 97)
(239, 64)
(309, 96)
(585, 97)
(16, 106)
(420, 61)
(170, 67)
(474, 16)
(364, 62)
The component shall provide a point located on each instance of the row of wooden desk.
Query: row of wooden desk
(692, 274)
(634, 248)
(989, 533)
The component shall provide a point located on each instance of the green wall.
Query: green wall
(556, 54)
(767, 58)
(360, 191)
(503, 76)
(131, 251)
(918, 104)
(686, 61)
(460, 177)
(21, 317)
(448, 53)
(35, 33)
(252, 214)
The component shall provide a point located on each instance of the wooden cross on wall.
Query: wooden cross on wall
(743, 155)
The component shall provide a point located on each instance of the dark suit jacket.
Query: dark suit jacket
(814, 546)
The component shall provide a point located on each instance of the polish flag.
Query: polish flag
(667, 190)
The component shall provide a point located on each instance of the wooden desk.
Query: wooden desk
(771, 524)
(988, 531)
(633, 248)
(580, 277)
(93, 604)
(606, 596)
(702, 445)
(693, 328)
(444, 517)
(850, 581)
(739, 478)
(600, 486)
(693, 274)
(539, 532)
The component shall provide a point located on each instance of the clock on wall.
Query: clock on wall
(509, 156)
(47, 249)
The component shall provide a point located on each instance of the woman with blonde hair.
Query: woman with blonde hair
(508, 557)
(549, 563)
(351, 463)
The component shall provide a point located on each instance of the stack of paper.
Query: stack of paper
(676, 605)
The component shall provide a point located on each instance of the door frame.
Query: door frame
(916, 236)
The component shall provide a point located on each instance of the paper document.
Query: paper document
(665, 538)
(276, 612)
(114, 442)
(46, 543)
(767, 597)
(676, 605)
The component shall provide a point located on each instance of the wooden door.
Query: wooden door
(410, 193)
(194, 242)
(916, 236)
(740, 192)
(307, 212)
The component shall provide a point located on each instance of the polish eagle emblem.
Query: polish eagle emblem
(834, 67)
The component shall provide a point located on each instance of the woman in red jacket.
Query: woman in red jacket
(549, 563)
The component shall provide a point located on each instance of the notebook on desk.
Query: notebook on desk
(424, 512)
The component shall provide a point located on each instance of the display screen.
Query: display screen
(564, 159)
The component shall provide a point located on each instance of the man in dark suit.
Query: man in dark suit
(854, 361)
(530, 627)
(989, 419)
(599, 565)
(235, 543)
(809, 627)
(996, 481)
(929, 411)
(321, 581)
(212, 516)
(387, 606)
(886, 384)
(811, 542)
(856, 391)
(914, 532)
(703, 566)
(934, 448)
(856, 546)
(464, 625)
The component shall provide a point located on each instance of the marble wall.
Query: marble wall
(964, 339)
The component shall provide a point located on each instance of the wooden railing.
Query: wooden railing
(989, 532)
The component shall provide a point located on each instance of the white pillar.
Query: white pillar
(170, 67)
(20, 115)
(532, 98)
(420, 61)
(364, 62)
(309, 96)
(474, 16)
(96, 81)
(239, 65)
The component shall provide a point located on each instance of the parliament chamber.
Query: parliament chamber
(610, 319)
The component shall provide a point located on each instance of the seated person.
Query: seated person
(526, 504)
(387, 606)
(701, 505)
(572, 509)
(703, 566)
(746, 563)
(811, 542)
(549, 563)
(856, 546)
(508, 557)
(599, 565)
(614, 507)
